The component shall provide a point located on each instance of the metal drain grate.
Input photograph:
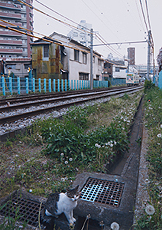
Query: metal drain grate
(26, 210)
(102, 191)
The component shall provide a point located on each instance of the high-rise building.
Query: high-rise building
(15, 46)
(82, 33)
(131, 55)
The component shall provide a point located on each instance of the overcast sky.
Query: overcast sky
(114, 20)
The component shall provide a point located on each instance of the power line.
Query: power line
(61, 15)
(140, 16)
(143, 15)
(148, 14)
(32, 7)
(111, 48)
(100, 18)
(115, 43)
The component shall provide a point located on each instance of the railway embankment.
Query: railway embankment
(39, 174)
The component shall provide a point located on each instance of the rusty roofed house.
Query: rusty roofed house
(47, 59)
(64, 58)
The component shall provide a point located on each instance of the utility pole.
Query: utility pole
(91, 61)
(148, 57)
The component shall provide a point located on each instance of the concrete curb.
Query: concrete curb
(142, 195)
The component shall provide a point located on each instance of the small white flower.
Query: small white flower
(30, 190)
(159, 135)
(160, 126)
(66, 162)
(115, 226)
(70, 159)
(111, 145)
(97, 145)
(149, 209)
(62, 179)
(62, 154)
(115, 142)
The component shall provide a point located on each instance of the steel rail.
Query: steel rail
(52, 100)
(25, 98)
(15, 117)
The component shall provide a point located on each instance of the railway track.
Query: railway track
(20, 109)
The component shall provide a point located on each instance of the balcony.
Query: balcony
(10, 33)
(11, 51)
(10, 42)
(14, 23)
(10, 6)
(9, 15)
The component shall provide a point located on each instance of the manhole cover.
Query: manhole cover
(26, 210)
(102, 191)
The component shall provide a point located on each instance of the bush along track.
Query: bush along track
(53, 151)
(151, 217)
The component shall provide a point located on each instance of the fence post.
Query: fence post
(30, 79)
(3, 85)
(49, 85)
(62, 85)
(10, 84)
(65, 84)
(45, 85)
(54, 85)
(58, 85)
(71, 84)
(18, 85)
(39, 84)
(27, 85)
(33, 84)
(74, 84)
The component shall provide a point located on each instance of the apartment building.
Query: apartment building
(82, 33)
(15, 48)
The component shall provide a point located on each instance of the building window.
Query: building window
(76, 55)
(97, 77)
(117, 69)
(84, 58)
(93, 59)
(11, 66)
(99, 62)
(46, 51)
(84, 76)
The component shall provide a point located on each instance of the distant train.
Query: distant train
(132, 79)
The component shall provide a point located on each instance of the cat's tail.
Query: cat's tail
(47, 221)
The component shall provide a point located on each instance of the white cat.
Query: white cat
(58, 203)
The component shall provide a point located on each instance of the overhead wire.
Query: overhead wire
(61, 15)
(46, 38)
(101, 39)
(143, 15)
(100, 18)
(111, 48)
(24, 2)
(58, 20)
(140, 16)
(148, 18)
(49, 39)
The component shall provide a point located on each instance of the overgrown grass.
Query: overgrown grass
(153, 122)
